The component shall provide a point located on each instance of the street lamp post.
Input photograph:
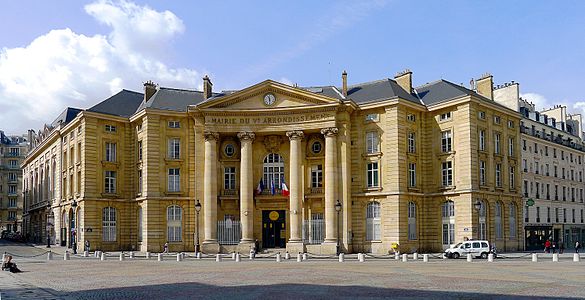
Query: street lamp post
(477, 207)
(49, 223)
(197, 209)
(338, 209)
(74, 228)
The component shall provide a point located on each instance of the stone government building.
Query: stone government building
(274, 162)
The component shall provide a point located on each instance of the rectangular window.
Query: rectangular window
(446, 141)
(13, 164)
(12, 189)
(372, 118)
(12, 177)
(411, 117)
(111, 152)
(512, 177)
(174, 124)
(557, 214)
(174, 148)
(481, 172)
(411, 142)
(110, 182)
(447, 174)
(481, 115)
(139, 181)
(139, 150)
(109, 224)
(548, 214)
(11, 216)
(510, 146)
(538, 214)
(229, 177)
(411, 174)
(497, 120)
(110, 128)
(510, 124)
(372, 142)
(174, 180)
(317, 176)
(373, 174)
(499, 175)
(482, 140)
(497, 140)
(446, 116)
(11, 202)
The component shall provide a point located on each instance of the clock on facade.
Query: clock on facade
(269, 99)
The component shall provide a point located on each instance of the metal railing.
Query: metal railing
(313, 231)
(229, 232)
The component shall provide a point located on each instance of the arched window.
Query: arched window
(482, 221)
(448, 213)
(373, 222)
(174, 223)
(498, 220)
(139, 221)
(512, 220)
(411, 221)
(273, 171)
(109, 224)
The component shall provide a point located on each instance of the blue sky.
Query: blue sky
(55, 54)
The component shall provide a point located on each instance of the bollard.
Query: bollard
(3, 256)
(147, 255)
(198, 255)
(251, 254)
(160, 257)
(469, 257)
(415, 256)
(233, 255)
(287, 255)
(576, 257)
(122, 256)
(182, 256)
(103, 256)
(305, 257)
(555, 257)
(404, 257)
(218, 257)
(397, 255)
(179, 257)
(85, 253)
(66, 256)
(491, 257)
(278, 259)
(50, 255)
(299, 257)
(361, 257)
(132, 254)
(534, 257)
(341, 257)
(425, 258)
(238, 257)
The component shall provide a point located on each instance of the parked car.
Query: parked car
(475, 247)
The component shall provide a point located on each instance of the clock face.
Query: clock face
(269, 99)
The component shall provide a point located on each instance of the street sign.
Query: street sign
(529, 202)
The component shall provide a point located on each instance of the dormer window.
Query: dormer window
(174, 124)
(446, 116)
(372, 118)
(411, 117)
(110, 128)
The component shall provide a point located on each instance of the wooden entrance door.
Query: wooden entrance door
(273, 229)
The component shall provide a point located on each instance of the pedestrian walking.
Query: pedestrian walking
(547, 246)
(561, 247)
(577, 246)
(166, 248)
(86, 246)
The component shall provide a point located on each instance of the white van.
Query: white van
(476, 248)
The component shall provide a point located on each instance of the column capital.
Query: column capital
(246, 136)
(329, 131)
(210, 135)
(295, 135)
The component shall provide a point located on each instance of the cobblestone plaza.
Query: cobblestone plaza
(314, 278)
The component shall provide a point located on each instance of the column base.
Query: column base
(329, 247)
(293, 247)
(210, 247)
(244, 247)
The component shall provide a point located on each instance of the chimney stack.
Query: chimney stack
(344, 83)
(485, 86)
(149, 90)
(207, 87)
(404, 80)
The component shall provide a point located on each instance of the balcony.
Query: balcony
(229, 192)
(315, 190)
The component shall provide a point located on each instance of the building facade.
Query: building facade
(13, 149)
(552, 171)
(366, 167)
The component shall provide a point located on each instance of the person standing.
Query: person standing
(577, 246)
(547, 246)
(166, 248)
(561, 247)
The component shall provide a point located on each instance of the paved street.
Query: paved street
(89, 278)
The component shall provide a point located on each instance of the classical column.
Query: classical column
(330, 184)
(246, 187)
(295, 186)
(210, 189)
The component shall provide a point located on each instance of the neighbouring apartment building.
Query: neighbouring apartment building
(362, 166)
(552, 171)
(13, 149)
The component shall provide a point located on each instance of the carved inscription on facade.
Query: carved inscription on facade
(221, 120)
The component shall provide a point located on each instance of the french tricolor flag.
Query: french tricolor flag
(285, 191)
(260, 187)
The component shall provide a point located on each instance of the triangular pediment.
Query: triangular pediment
(269, 95)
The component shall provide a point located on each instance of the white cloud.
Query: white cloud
(63, 68)
(540, 101)
(286, 81)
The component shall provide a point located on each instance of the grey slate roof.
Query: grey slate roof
(123, 104)
(172, 99)
(441, 90)
(329, 91)
(378, 90)
(66, 116)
